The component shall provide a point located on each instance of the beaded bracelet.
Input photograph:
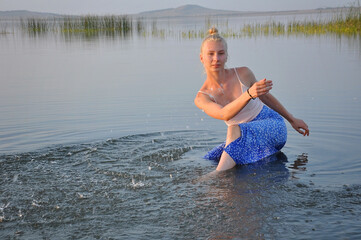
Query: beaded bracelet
(250, 95)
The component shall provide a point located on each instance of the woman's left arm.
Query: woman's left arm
(298, 124)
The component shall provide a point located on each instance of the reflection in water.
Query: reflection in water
(300, 162)
(299, 165)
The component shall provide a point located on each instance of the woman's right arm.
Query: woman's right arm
(216, 111)
(225, 113)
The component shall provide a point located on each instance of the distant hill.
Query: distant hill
(27, 14)
(198, 11)
(182, 11)
(187, 11)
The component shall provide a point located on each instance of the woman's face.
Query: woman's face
(213, 55)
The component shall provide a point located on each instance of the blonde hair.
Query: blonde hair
(213, 35)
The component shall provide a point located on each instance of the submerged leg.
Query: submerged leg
(226, 162)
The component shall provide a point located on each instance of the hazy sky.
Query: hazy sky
(136, 6)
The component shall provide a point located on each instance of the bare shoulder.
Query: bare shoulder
(200, 99)
(243, 70)
(246, 75)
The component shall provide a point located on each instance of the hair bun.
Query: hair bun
(213, 31)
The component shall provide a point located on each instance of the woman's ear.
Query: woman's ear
(201, 57)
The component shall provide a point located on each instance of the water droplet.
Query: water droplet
(93, 149)
(15, 178)
(35, 204)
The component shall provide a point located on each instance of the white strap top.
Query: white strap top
(248, 113)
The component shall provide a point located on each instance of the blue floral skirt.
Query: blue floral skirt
(263, 136)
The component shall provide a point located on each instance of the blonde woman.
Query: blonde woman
(256, 128)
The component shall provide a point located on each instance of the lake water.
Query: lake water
(100, 139)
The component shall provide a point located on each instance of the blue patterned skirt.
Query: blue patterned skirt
(263, 136)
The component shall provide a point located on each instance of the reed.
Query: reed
(349, 25)
(140, 26)
(344, 23)
(91, 24)
(3, 29)
(35, 25)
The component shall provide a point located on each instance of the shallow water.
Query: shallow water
(99, 138)
(153, 186)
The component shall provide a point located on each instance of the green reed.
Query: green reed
(3, 30)
(35, 25)
(345, 23)
(91, 24)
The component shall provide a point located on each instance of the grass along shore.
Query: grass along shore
(341, 23)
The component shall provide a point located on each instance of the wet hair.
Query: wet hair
(213, 35)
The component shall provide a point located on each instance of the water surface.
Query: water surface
(99, 138)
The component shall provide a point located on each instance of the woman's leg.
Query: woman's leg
(226, 162)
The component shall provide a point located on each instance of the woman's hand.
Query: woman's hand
(300, 126)
(260, 88)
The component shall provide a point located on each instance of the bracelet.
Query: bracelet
(250, 95)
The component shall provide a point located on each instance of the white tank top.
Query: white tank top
(248, 113)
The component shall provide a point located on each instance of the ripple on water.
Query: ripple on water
(148, 186)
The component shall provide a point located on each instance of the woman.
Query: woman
(255, 126)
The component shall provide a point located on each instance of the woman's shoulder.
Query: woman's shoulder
(243, 70)
(246, 75)
(203, 91)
